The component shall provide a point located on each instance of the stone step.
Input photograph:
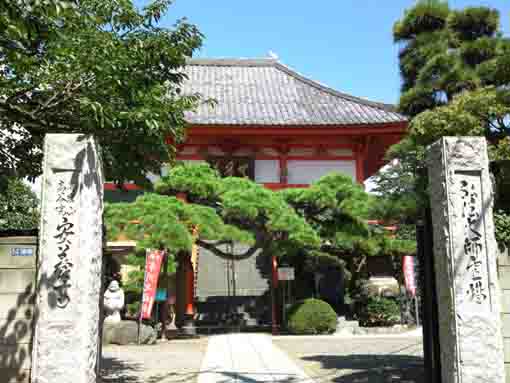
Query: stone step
(346, 327)
(343, 323)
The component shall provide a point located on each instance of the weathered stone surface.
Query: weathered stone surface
(465, 254)
(70, 259)
(126, 332)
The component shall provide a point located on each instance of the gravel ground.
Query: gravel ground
(351, 360)
(166, 362)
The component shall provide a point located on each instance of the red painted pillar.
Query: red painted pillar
(274, 286)
(190, 286)
(186, 303)
(360, 174)
(283, 153)
(361, 156)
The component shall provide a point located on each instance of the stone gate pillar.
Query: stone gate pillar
(465, 254)
(70, 261)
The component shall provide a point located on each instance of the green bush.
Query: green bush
(311, 316)
(379, 311)
(502, 225)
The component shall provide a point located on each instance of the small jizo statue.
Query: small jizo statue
(113, 302)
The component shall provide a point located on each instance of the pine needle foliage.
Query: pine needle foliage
(455, 70)
(329, 217)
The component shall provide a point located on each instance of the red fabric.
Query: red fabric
(153, 261)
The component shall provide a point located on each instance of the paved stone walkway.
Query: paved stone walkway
(248, 358)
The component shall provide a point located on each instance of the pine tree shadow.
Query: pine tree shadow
(115, 370)
(358, 368)
(16, 338)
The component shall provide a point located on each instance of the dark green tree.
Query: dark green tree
(218, 212)
(100, 67)
(326, 219)
(455, 69)
(338, 210)
(18, 207)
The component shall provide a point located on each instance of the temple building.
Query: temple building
(280, 129)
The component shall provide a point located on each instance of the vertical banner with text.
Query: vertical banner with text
(153, 259)
(408, 269)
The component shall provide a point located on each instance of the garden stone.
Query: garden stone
(465, 253)
(126, 332)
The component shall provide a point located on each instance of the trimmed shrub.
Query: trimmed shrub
(379, 311)
(311, 316)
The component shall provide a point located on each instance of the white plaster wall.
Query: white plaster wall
(306, 172)
(267, 171)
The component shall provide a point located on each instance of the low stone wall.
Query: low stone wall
(504, 283)
(17, 280)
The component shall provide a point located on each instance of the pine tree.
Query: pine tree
(455, 70)
(326, 222)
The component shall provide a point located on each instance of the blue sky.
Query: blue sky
(345, 44)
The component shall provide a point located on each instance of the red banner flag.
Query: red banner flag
(408, 269)
(153, 261)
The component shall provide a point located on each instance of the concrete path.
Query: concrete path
(248, 358)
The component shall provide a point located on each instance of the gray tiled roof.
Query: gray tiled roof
(266, 92)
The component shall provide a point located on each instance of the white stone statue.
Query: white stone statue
(113, 302)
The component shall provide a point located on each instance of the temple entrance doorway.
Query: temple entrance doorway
(233, 295)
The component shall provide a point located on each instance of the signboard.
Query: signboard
(409, 275)
(22, 252)
(153, 261)
(285, 273)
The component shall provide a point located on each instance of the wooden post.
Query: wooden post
(166, 308)
(361, 155)
(190, 285)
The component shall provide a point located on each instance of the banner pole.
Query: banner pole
(416, 310)
(143, 290)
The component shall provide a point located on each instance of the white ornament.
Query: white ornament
(113, 302)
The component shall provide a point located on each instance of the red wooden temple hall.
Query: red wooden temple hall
(280, 128)
(293, 130)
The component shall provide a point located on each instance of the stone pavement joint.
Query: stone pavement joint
(248, 358)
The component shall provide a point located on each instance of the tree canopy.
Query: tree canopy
(327, 219)
(455, 70)
(101, 67)
(218, 211)
(18, 207)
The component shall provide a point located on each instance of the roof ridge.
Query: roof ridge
(263, 61)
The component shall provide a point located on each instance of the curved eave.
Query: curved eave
(296, 130)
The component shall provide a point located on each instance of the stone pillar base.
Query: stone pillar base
(188, 327)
